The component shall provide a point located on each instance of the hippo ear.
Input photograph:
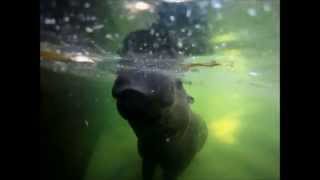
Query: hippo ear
(179, 84)
(190, 99)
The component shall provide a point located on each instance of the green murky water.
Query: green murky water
(240, 105)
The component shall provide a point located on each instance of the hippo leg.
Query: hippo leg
(167, 175)
(148, 169)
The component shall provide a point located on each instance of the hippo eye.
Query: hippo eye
(120, 81)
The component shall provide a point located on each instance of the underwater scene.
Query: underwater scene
(160, 89)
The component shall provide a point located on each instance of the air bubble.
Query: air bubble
(99, 26)
(267, 7)
(188, 14)
(216, 4)
(66, 19)
(49, 21)
(152, 31)
(86, 5)
(108, 36)
(253, 73)
(89, 30)
(252, 12)
(57, 27)
(172, 18)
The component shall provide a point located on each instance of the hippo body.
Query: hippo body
(157, 108)
(154, 102)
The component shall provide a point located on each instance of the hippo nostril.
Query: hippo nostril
(132, 104)
(130, 94)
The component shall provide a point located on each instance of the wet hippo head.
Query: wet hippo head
(143, 95)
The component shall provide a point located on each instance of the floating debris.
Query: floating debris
(50, 55)
(89, 30)
(66, 19)
(167, 139)
(216, 4)
(152, 31)
(81, 58)
(266, 7)
(49, 21)
(172, 18)
(187, 67)
(137, 6)
(57, 27)
(92, 18)
(86, 5)
(180, 44)
(252, 12)
(99, 26)
(140, 5)
(253, 73)
(75, 37)
(108, 36)
(188, 14)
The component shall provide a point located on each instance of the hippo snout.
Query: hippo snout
(132, 104)
(142, 95)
